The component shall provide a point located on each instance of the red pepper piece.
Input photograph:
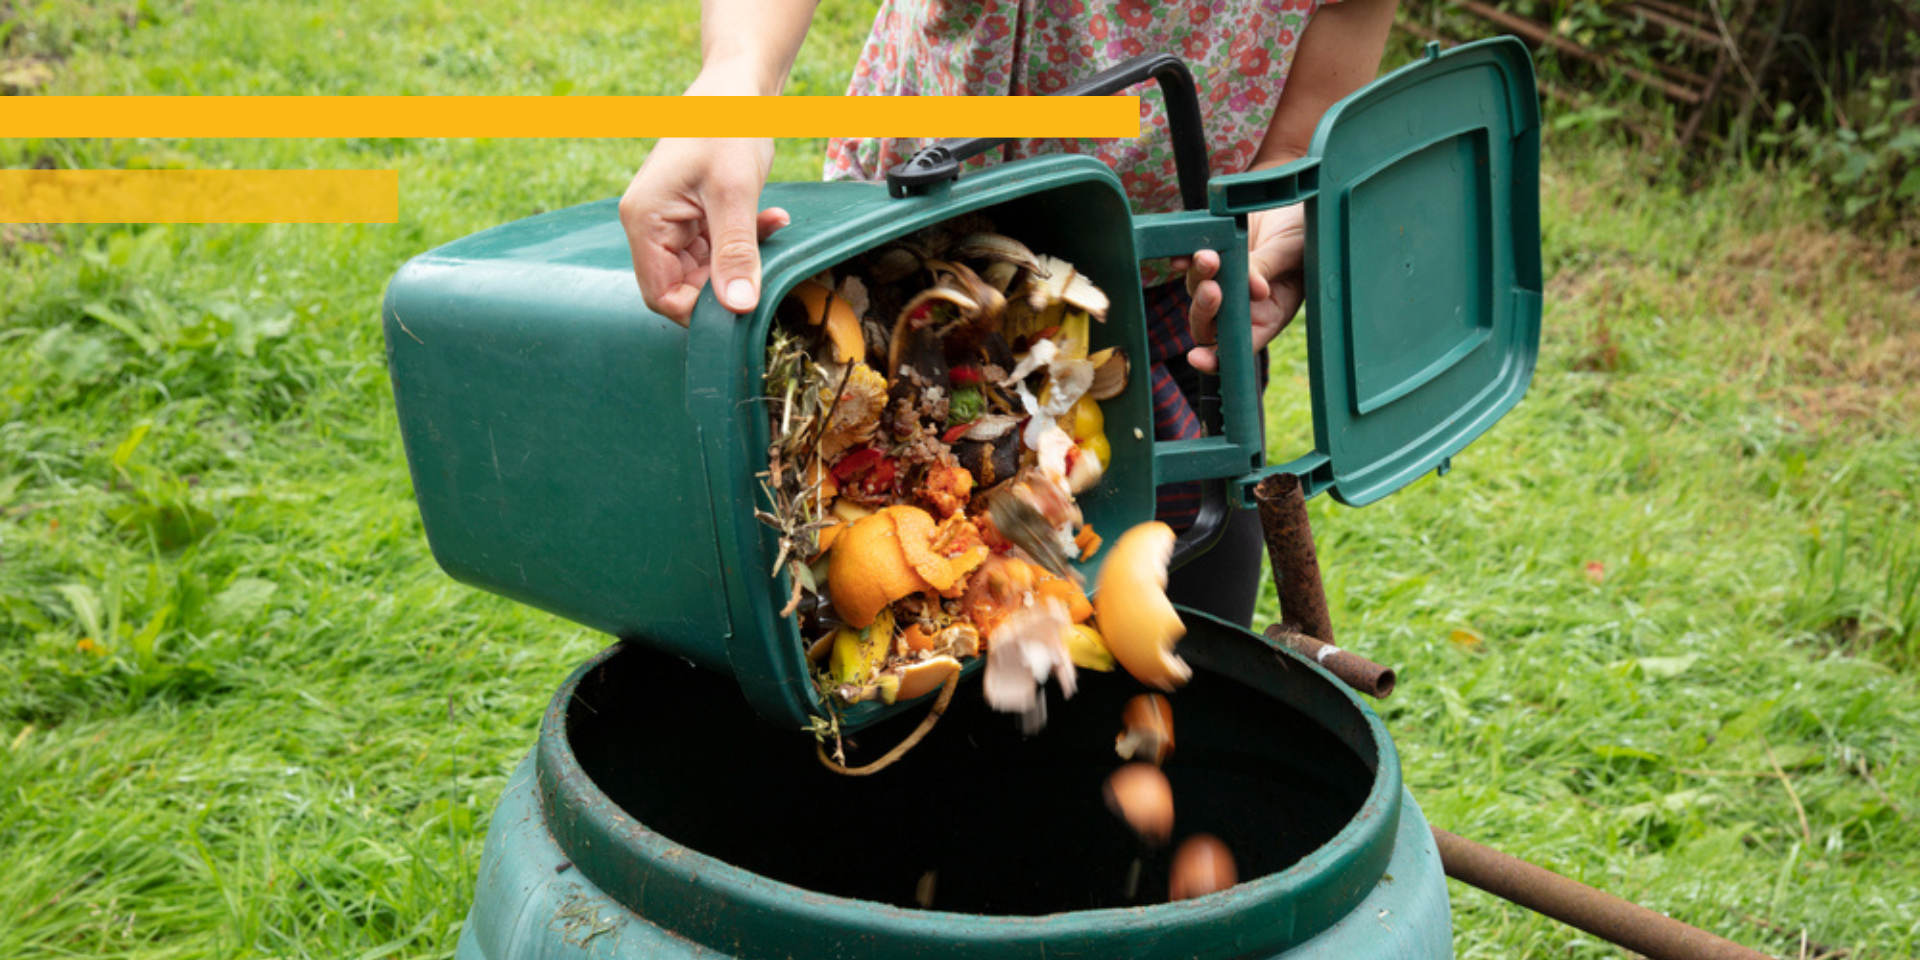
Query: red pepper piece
(866, 473)
(856, 463)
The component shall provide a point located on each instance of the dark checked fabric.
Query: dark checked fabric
(1176, 391)
(1225, 580)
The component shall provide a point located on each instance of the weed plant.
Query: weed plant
(1657, 630)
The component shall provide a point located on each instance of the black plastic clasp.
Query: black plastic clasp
(936, 164)
(941, 162)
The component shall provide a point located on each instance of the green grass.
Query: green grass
(243, 713)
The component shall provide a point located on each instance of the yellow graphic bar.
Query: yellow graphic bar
(1102, 117)
(199, 196)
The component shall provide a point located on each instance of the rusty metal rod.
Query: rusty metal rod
(1296, 567)
(1355, 671)
(1647, 932)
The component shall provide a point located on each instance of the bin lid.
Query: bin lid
(1423, 274)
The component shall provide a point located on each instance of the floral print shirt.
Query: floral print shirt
(1239, 52)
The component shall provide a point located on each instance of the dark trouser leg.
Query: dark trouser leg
(1224, 581)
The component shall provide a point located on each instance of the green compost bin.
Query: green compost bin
(573, 451)
(727, 839)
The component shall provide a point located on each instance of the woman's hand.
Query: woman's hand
(692, 214)
(1338, 54)
(1276, 245)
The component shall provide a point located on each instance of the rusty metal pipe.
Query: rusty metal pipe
(1296, 567)
(1355, 671)
(1646, 932)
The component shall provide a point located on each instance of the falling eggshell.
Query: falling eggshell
(1201, 866)
(1140, 794)
(1148, 736)
(1133, 612)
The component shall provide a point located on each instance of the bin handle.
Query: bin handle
(941, 161)
(1224, 458)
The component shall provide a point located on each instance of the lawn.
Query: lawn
(1658, 630)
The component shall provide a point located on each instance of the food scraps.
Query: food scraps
(935, 412)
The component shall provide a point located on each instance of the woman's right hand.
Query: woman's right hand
(692, 215)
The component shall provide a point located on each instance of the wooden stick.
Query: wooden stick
(1541, 34)
(1692, 32)
(1675, 10)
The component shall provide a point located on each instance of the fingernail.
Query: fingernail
(740, 295)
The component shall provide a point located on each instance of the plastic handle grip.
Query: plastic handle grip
(1239, 449)
(1239, 194)
(941, 162)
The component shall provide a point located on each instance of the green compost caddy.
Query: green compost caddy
(574, 451)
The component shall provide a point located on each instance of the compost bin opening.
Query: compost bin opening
(1006, 824)
(1088, 225)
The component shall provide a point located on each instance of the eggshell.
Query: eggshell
(1140, 794)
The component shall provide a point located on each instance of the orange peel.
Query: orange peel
(813, 295)
(916, 639)
(843, 328)
(888, 555)
(926, 676)
(1087, 541)
(1133, 612)
(867, 569)
(1079, 608)
(917, 535)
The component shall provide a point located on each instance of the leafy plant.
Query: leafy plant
(1864, 147)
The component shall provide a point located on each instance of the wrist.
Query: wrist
(737, 75)
(1268, 162)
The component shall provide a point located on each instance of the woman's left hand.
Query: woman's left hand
(1276, 245)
